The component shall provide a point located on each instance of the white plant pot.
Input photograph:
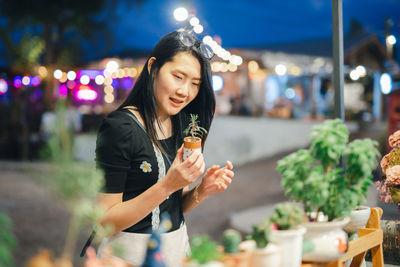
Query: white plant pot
(358, 219)
(270, 256)
(208, 264)
(291, 242)
(325, 241)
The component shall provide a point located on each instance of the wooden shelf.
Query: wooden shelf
(369, 238)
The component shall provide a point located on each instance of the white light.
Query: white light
(386, 83)
(361, 71)
(198, 29)
(71, 75)
(99, 79)
(237, 60)
(57, 74)
(194, 21)
(207, 39)
(112, 66)
(3, 86)
(391, 39)
(26, 80)
(217, 82)
(280, 69)
(85, 80)
(181, 14)
(87, 94)
(354, 75)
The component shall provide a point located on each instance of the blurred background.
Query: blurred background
(272, 77)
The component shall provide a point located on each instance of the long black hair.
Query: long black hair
(142, 94)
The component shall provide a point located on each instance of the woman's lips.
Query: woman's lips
(176, 102)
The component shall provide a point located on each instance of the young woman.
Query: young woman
(139, 147)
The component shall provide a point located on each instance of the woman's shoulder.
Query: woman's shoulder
(117, 122)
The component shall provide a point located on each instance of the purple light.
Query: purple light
(127, 83)
(91, 73)
(17, 82)
(35, 80)
(63, 91)
(115, 83)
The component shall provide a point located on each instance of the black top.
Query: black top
(125, 153)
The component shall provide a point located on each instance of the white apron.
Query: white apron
(174, 246)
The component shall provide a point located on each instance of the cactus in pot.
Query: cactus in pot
(231, 240)
(287, 217)
(265, 253)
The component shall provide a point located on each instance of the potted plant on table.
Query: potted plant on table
(204, 253)
(289, 234)
(263, 252)
(315, 177)
(192, 141)
(231, 239)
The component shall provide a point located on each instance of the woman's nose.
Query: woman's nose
(183, 90)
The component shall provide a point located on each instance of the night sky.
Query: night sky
(239, 23)
(253, 23)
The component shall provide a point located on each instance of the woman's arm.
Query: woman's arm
(123, 214)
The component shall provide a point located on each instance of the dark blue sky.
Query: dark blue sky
(247, 23)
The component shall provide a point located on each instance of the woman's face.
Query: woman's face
(177, 83)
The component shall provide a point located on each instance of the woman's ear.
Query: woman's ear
(150, 63)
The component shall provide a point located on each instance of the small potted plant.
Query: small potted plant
(316, 178)
(204, 253)
(263, 252)
(192, 141)
(289, 234)
(231, 239)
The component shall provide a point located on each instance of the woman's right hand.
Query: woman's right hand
(181, 174)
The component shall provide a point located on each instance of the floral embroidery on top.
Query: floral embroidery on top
(145, 166)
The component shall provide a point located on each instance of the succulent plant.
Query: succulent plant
(231, 240)
(204, 250)
(286, 216)
(261, 234)
(193, 128)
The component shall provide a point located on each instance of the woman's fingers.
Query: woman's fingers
(179, 155)
(229, 165)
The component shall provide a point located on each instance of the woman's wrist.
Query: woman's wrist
(198, 194)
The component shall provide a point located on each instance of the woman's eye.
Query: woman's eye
(178, 77)
(196, 84)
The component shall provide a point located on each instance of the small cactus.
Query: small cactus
(286, 216)
(231, 240)
(261, 234)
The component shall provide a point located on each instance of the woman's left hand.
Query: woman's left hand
(216, 180)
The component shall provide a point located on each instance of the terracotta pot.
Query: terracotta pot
(190, 145)
(241, 259)
(291, 242)
(196, 264)
(325, 241)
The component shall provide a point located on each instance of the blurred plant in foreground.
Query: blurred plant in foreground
(7, 241)
(75, 183)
